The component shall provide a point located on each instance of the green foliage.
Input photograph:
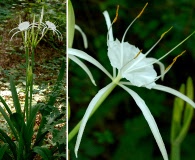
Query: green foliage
(131, 142)
(104, 137)
(182, 117)
(44, 152)
(23, 131)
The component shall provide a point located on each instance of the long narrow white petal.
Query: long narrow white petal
(83, 35)
(83, 66)
(88, 112)
(174, 92)
(109, 26)
(88, 58)
(14, 35)
(150, 119)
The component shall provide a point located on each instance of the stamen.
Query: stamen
(138, 54)
(115, 19)
(165, 33)
(128, 29)
(174, 60)
(164, 55)
(142, 11)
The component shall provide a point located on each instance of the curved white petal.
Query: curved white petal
(138, 75)
(83, 66)
(149, 118)
(88, 58)
(161, 65)
(83, 35)
(175, 93)
(109, 26)
(89, 111)
(13, 29)
(114, 53)
(14, 35)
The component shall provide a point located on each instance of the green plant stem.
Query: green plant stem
(31, 77)
(101, 100)
(27, 89)
(175, 151)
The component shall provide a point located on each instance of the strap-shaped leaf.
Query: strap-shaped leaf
(9, 122)
(3, 148)
(15, 96)
(5, 105)
(17, 121)
(30, 123)
(178, 108)
(45, 153)
(8, 140)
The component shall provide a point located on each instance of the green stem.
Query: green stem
(31, 77)
(175, 151)
(101, 100)
(27, 89)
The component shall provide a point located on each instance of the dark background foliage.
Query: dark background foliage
(118, 129)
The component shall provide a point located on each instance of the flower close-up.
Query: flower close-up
(131, 67)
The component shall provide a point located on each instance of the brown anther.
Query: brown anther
(115, 19)
(174, 60)
(165, 32)
(137, 54)
(142, 10)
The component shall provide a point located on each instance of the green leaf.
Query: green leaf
(17, 121)
(9, 122)
(188, 112)
(178, 107)
(189, 109)
(30, 125)
(31, 121)
(15, 96)
(52, 99)
(8, 140)
(45, 153)
(71, 24)
(21, 145)
(181, 120)
(3, 148)
(5, 105)
(58, 84)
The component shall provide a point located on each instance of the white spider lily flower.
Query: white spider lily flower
(24, 26)
(52, 26)
(134, 66)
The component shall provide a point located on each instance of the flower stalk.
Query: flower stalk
(31, 37)
(97, 104)
(181, 119)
